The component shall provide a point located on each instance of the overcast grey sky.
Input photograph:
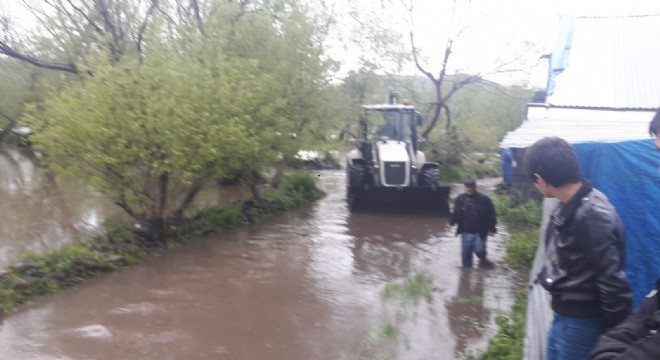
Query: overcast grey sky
(497, 29)
(492, 29)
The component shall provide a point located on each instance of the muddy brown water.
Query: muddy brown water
(302, 285)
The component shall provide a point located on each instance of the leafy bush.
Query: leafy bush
(219, 217)
(455, 173)
(521, 250)
(300, 186)
(446, 147)
(518, 215)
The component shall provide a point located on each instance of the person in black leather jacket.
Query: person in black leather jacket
(637, 338)
(585, 253)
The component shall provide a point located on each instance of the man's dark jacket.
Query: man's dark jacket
(585, 259)
(487, 216)
(637, 338)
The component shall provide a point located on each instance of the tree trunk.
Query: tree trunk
(252, 183)
(159, 222)
(277, 178)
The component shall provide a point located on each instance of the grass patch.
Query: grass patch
(36, 275)
(523, 220)
(507, 344)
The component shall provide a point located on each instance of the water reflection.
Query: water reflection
(38, 213)
(467, 315)
(385, 244)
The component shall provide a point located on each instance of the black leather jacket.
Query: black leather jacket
(585, 258)
(637, 338)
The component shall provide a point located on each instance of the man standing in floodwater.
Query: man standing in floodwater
(475, 216)
(585, 253)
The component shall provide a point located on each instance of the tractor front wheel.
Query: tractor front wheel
(357, 175)
(430, 176)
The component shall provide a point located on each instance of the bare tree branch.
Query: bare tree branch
(195, 7)
(7, 50)
(110, 27)
(143, 27)
(91, 22)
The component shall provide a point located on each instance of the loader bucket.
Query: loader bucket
(422, 198)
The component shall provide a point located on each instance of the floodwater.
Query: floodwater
(302, 285)
(39, 213)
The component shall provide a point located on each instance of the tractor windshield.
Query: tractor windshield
(393, 124)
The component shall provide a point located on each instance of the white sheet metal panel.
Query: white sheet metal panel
(579, 125)
(539, 313)
(613, 63)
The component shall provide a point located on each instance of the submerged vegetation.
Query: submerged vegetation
(122, 245)
(400, 297)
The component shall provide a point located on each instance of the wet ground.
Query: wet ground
(303, 285)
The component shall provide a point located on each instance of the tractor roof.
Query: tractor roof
(388, 107)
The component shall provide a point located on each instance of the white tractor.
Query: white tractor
(385, 166)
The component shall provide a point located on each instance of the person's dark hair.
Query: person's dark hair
(554, 160)
(654, 126)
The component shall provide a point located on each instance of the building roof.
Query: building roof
(579, 125)
(612, 62)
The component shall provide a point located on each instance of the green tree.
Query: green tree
(217, 98)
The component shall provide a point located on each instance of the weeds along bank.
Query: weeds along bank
(523, 221)
(121, 245)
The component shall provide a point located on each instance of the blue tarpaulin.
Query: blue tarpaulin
(507, 165)
(559, 58)
(628, 173)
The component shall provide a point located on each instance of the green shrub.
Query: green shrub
(219, 217)
(521, 250)
(456, 173)
(301, 187)
(518, 216)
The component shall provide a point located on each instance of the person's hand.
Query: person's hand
(491, 233)
(447, 227)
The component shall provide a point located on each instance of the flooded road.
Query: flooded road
(302, 285)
